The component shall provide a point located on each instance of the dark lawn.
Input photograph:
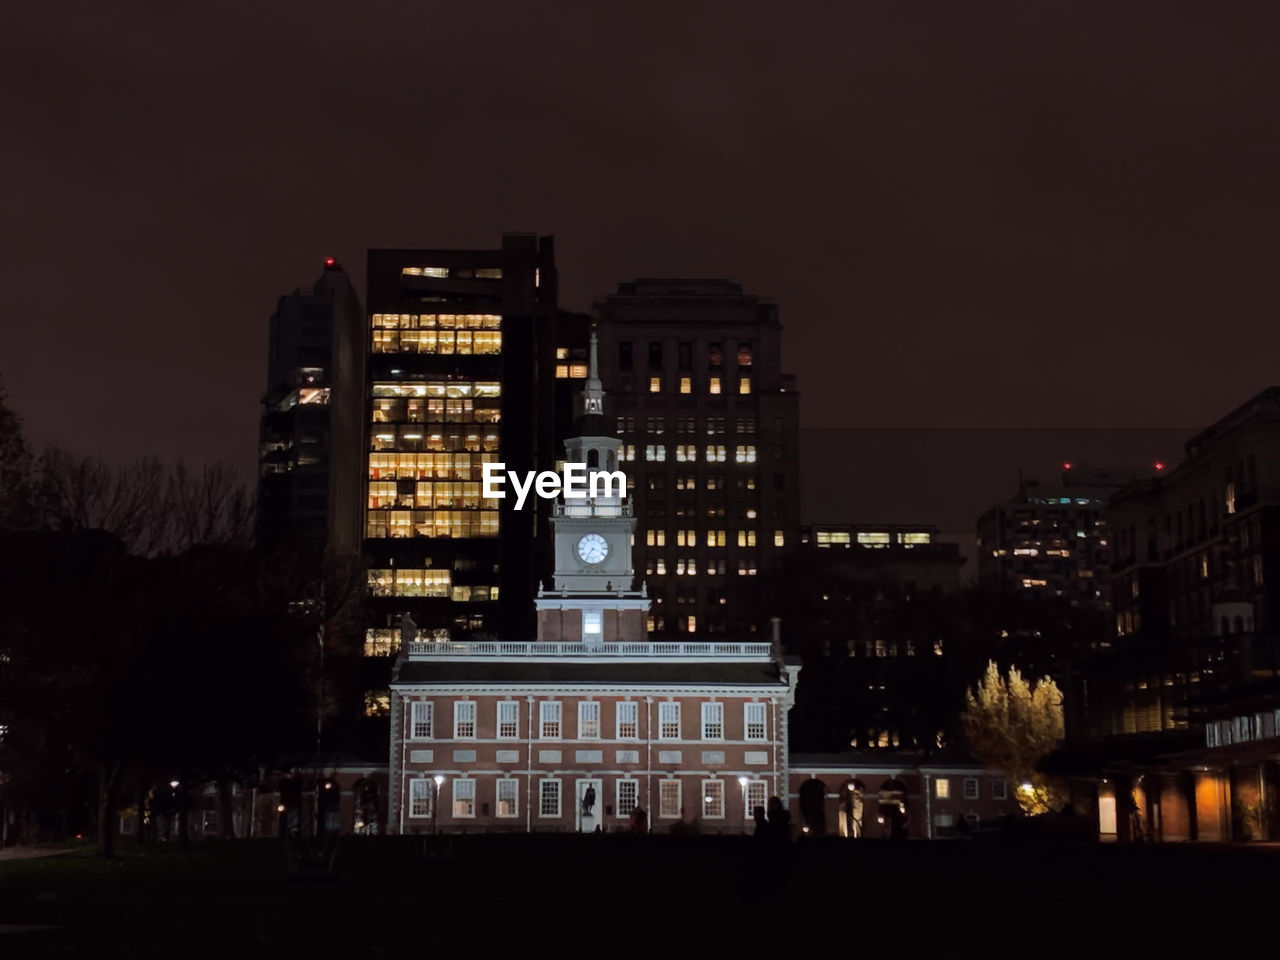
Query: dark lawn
(595, 898)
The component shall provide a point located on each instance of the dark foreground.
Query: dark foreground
(605, 897)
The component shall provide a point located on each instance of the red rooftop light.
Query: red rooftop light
(1159, 465)
(329, 261)
(1066, 466)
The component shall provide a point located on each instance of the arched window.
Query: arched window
(593, 458)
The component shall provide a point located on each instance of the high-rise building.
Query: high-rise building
(310, 479)
(708, 424)
(464, 351)
(1053, 541)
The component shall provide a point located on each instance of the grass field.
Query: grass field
(588, 897)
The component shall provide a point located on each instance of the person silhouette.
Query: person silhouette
(589, 801)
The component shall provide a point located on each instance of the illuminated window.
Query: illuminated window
(661, 567)
(508, 797)
(562, 371)
(627, 452)
(377, 703)
(668, 721)
(713, 799)
(915, 537)
(942, 788)
(778, 539)
(425, 272)
(713, 385)
(549, 798)
(578, 371)
(489, 273)
(746, 538)
(832, 538)
(874, 539)
(686, 385)
(753, 720)
(655, 384)
(713, 721)
(420, 793)
(691, 623)
(464, 720)
(686, 538)
(628, 725)
(592, 624)
(655, 452)
(464, 798)
(1231, 498)
(589, 720)
(508, 719)
(744, 384)
(549, 714)
(746, 568)
(628, 791)
(745, 454)
(686, 452)
(715, 453)
(717, 538)
(420, 720)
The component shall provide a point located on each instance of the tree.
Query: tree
(1012, 725)
(15, 469)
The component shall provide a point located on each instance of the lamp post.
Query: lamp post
(435, 800)
(747, 812)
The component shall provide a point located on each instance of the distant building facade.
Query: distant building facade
(1052, 541)
(309, 477)
(708, 424)
(1183, 699)
(578, 729)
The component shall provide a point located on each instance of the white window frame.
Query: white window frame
(748, 803)
(672, 709)
(460, 708)
(542, 785)
(586, 707)
(418, 710)
(593, 618)
(420, 789)
(550, 712)
(513, 708)
(969, 791)
(624, 708)
(515, 798)
(662, 799)
(635, 785)
(464, 792)
(712, 717)
(747, 710)
(715, 787)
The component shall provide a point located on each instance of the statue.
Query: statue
(589, 801)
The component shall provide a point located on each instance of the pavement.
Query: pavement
(31, 853)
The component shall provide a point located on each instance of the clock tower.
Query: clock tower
(594, 598)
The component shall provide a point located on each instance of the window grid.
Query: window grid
(508, 720)
(464, 720)
(508, 797)
(971, 788)
(628, 792)
(464, 798)
(713, 721)
(754, 721)
(548, 798)
(668, 721)
(756, 797)
(549, 711)
(628, 721)
(713, 799)
(589, 720)
(420, 728)
(420, 797)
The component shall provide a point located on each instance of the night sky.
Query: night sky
(1025, 215)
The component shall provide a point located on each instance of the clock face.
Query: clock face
(593, 548)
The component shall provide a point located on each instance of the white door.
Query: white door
(589, 797)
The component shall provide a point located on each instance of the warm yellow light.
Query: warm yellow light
(280, 808)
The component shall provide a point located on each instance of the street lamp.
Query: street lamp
(435, 800)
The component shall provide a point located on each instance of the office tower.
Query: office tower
(1052, 541)
(708, 424)
(462, 369)
(310, 479)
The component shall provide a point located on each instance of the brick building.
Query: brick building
(578, 728)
